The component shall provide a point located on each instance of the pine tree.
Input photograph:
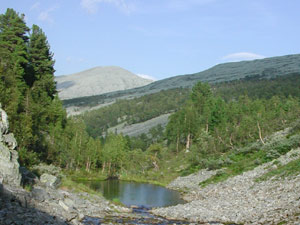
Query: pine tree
(45, 108)
(13, 61)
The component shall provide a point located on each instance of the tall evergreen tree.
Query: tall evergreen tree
(45, 109)
(13, 61)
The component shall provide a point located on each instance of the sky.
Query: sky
(162, 38)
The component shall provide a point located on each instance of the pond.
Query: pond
(136, 194)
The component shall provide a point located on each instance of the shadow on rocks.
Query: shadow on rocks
(16, 208)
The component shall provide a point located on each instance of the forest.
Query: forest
(211, 126)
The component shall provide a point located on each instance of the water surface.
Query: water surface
(134, 193)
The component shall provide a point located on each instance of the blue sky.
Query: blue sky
(162, 38)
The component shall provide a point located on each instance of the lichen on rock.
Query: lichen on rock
(9, 165)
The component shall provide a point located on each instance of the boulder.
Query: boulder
(4, 125)
(10, 141)
(50, 180)
(49, 169)
(9, 166)
(40, 194)
(28, 177)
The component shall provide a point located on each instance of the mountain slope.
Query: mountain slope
(262, 68)
(97, 81)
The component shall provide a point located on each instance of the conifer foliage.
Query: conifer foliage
(27, 85)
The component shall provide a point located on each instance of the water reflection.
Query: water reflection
(133, 193)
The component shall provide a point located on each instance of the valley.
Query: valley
(105, 146)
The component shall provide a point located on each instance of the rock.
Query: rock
(10, 140)
(28, 177)
(80, 216)
(44, 168)
(4, 125)
(66, 207)
(69, 202)
(241, 199)
(1, 185)
(40, 194)
(9, 166)
(50, 180)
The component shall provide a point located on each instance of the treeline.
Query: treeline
(29, 96)
(140, 109)
(134, 111)
(208, 126)
(207, 122)
(44, 133)
(258, 87)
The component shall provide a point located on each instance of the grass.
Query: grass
(117, 201)
(242, 161)
(82, 175)
(290, 169)
(28, 187)
(68, 184)
(141, 179)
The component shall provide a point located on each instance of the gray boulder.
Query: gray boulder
(28, 177)
(50, 180)
(10, 141)
(9, 166)
(4, 125)
(40, 194)
(49, 169)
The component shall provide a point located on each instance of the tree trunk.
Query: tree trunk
(156, 167)
(103, 167)
(259, 133)
(188, 142)
(177, 144)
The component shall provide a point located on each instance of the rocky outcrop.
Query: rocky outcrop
(43, 204)
(9, 166)
(191, 181)
(49, 169)
(241, 199)
(50, 180)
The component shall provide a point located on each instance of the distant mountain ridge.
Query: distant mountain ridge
(97, 81)
(261, 68)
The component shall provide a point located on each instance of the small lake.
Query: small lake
(134, 193)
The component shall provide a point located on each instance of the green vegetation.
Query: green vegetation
(27, 87)
(249, 157)
(126, 112)
(225, 126)
(134, 111)
(258, 87)
(262, 69)
(292, 168)
(69, 184)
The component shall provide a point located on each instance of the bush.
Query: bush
(28, 158)
(281, 146)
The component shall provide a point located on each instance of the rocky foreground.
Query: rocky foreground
(240, 199)
(43, 204)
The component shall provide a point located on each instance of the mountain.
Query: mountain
(97, 81)
(261, 68)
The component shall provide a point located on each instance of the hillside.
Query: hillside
(262, 68)
(131, 117)
(97, 81)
